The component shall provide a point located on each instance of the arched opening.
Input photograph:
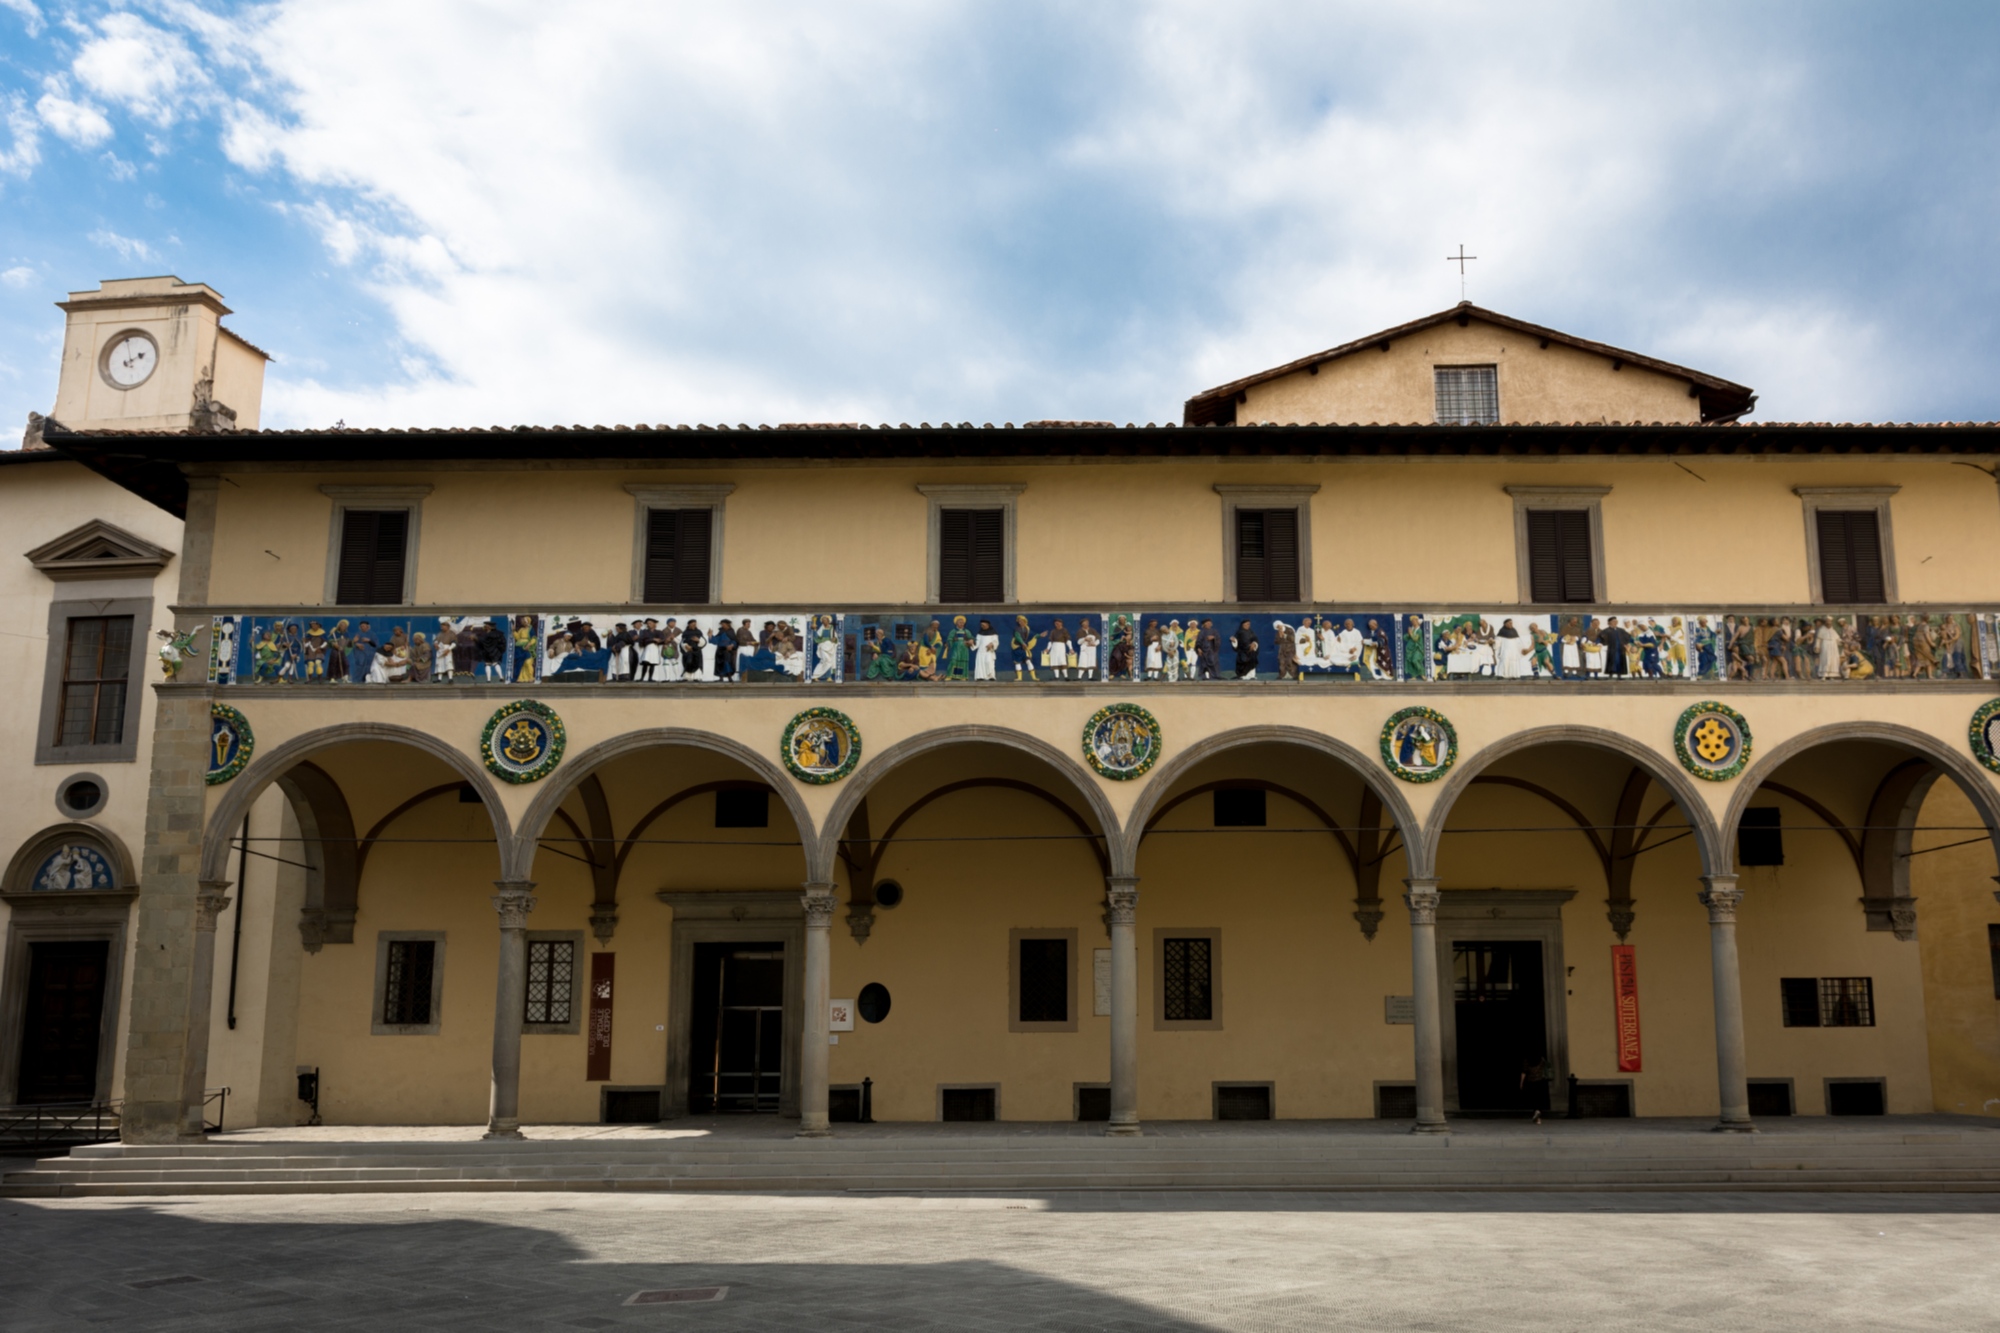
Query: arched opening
(1266, 859)
(1572, 948)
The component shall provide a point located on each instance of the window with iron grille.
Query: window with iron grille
(96, 668)
(1467, 395)
(551, 978)
(1267, 555)
(1846, 1002)
(1560, 566)
(972, 555)
(1189, 979)
(1850, 555)
(679, 556)
(1044, 981)
(1993, 946)
(374, 552)
(406, 993)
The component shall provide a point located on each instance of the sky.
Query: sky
(478, 212)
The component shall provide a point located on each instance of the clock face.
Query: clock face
(130, 361)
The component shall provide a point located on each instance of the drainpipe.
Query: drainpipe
(236, 926)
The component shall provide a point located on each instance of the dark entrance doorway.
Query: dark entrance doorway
(62, 1021)
(737, 1028)
(1503, 1042)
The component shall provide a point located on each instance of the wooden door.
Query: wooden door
(62, 1022)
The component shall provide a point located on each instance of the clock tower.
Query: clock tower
(151, 354)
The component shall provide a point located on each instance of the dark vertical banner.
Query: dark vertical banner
(598, 1035)
(1625, 1001)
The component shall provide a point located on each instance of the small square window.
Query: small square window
(551, 981)
(1847, 1002)
(1467, 395)
(1239, 807)
(408, 989)
(743, 807)
(1760, 839)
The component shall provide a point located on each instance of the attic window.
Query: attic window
(1467, 395)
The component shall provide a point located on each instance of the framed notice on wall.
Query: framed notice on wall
(1625, 1002)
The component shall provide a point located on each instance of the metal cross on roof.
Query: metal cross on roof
(1460, 259)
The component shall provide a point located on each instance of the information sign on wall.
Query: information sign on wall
(598, 1037)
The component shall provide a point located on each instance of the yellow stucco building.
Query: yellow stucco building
(1468, 719)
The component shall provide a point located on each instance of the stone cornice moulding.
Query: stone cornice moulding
(405, 494)
(691, 495)
(1535, 492)
(1844, 492)
(118, 554)
(971, 492)
(1275, 490)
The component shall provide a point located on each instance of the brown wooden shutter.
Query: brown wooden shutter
(1267, 555)
(1559, 563)
(1252, 575)
(374, 545)
(1850, 556)
(679, 552)
(972, 555)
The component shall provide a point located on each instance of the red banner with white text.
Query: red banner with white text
(1625, 1001)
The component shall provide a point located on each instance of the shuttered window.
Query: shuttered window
(679, 556)
(972, 555)
(1267, 555)
(97, 664)
(374, 549)
(1559, 567)
(1850, 555)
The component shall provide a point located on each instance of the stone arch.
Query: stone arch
(1715, 859)
(1969, 776)
(266, 768)
(38, 844)
(1370, 772)
(872, 771)
(576, 771)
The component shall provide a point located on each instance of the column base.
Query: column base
(1733, 1127)
(504, 1129)
(813, 1132)
(1430, 1127)
(1123, 1129)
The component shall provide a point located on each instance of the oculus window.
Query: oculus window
(374, 556)
(1467, 395)
(1267, 555)
(97, 665)
(680, 554)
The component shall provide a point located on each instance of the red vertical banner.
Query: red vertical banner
(598, 1035)
(1625, 1000)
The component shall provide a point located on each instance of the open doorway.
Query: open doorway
(1502, 1021)
(737, 1027)
(62, 1021)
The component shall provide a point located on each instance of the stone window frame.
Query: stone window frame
(1296, 497)
(410, 499)
(1000, 495)
(1161, 934)
(1586, 498)
(1014, 938)
(1876, 498)
(579, 965)
(126, 750)
(378, 995)
(648, 496)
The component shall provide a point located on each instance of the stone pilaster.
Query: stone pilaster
(209, 902)
(1121, 904)
(515, 902)
(1721, 897)
(1422, 900)
(818, 903)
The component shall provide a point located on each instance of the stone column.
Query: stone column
(208, 905)
(1422, 899)
(514, 903)
(818, 903)
(1720, 896)
(1121, 901)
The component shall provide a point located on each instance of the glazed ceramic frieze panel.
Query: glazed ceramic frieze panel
(345, 648)
(689, 647)
(1212, 645)
(971, 645)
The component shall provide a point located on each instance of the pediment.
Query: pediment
(99, 550)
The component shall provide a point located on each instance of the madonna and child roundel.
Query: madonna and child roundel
(821, 745)
(1122, 741)
(71, 867)
(230, 743)
(1985, 734)
(523, 742)
(1419, 744)
(1712, 741)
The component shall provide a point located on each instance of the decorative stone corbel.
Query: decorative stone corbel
(604, 924)
(1621, 913)
(1368, 911)
(1898, 914)
(860, 920)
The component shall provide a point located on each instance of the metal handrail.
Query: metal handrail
(61, 1122)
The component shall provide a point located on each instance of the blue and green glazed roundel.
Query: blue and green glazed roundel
(1985, 734)
(821, 745)
(1419, 744)
(1712, 741)
(230, 742)
(523, 741)
(1122, 741)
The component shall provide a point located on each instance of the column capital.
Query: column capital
(1720, 896)
(514, 902)
(209, 902)
(1422, 900)
(1121, 899)
(818, 901)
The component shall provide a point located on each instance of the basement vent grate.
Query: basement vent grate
(675, 1295)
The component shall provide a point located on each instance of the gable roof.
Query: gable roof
(1721, 400)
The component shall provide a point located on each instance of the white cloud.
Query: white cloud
(23, 150)
(18, 276)
(127, 248)
(147, 70)
(31, 17)
(79, 122)
(120, 169)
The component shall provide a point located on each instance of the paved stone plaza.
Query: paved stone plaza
(1069, 1261)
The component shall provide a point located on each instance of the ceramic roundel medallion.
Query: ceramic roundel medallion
(1712, 741)
(1419, 744)
(821, 745)
(523, 742)
(1122, 741)
(1985, 734)
(230, 743)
